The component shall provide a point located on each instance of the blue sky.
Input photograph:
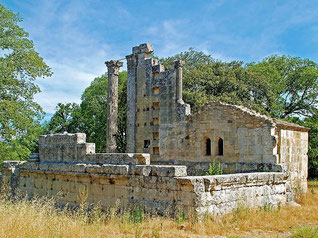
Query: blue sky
(76, 37)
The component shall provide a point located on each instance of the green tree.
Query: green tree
(20, 65)
(90, 116)
(312, 122)
(289, 85)
(206, 79)
(94, 112)
(65, 119)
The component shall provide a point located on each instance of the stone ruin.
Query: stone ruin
(263, 159)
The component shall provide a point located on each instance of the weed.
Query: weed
(305, 232)
(180, 216)
(267, 207)
(214, 169)
(298, 193)
(137, 216)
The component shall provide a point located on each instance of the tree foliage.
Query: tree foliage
(64, 119)
(20, 65)
(291, 85)
(90, 116)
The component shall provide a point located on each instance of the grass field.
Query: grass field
(40, 218)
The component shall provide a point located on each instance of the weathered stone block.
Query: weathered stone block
(168, 171)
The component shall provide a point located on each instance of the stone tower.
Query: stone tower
(112, 104)
(154, 98)
(139, 69)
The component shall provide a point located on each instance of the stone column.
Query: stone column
(178, 67)
(131, 103)
(112, 104)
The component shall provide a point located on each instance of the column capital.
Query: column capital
(179, 64)
(114, 66)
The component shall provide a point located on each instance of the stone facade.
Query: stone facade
(160, 123)
(132, 180)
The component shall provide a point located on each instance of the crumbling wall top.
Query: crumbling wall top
(143, 49)
(65, 138)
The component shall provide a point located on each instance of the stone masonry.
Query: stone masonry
(161, 124)
(67, 165)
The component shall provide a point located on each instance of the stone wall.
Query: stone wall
(247, 136)
(156, 189)
(293, 149)
(161, 124)
(132, 181)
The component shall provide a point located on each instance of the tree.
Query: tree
(20, 65)
(312, 122)
(65, 119)
(206, 79)
(90, 116)
(290, 85)
(94, 112)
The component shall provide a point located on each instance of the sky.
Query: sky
(76, 37)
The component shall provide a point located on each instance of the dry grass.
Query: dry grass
(40, 218)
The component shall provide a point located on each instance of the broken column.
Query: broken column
(178, 67)
(112, 104)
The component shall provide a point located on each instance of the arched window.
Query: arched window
(208, 147)
(220, 146)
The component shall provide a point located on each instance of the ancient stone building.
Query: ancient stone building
(68, 166)
(161, 124)
(167, 149)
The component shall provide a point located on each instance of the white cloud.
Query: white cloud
(75, 56)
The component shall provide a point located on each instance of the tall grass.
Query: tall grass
(39, 217)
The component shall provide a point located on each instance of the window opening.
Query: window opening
(146, 144)
(208, 147)
(156, 90)
(155, 120)
(155, 135)
(156, 150)
(155, 105)
(220, 146)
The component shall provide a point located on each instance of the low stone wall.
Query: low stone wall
(157, 189)
(132, 181)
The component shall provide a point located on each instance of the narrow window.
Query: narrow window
(155, 105)
(155, 75)
(220, 146)
(208, 147)
(156, 90)
(146, 144)
(155, 135)
(156, 150)
(155, 120)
